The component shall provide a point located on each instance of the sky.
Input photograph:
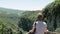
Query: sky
(25, 4)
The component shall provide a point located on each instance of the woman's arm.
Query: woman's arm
(46, 30)
(32, 30)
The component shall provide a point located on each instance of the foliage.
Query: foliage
(51, 13)
(12, 23)
(58, 30)
(25, 24)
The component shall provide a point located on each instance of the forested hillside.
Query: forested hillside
(21, 22)
(9, 21)
(51, 16)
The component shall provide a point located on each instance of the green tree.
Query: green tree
(25, 24)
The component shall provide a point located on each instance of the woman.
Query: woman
(39, 27)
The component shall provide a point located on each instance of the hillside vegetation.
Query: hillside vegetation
(9, 21)
(51, 16)
(21, 22)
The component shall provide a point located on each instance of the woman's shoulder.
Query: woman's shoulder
(44, 22)
(36, 22)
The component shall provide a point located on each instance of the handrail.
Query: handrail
(51, 33)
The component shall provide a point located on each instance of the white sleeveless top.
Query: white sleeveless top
(40, 27)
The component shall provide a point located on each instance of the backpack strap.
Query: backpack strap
(35, 27)
(35, 24)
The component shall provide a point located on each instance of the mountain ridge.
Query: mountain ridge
(10, 10)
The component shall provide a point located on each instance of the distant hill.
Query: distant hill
(10, 10)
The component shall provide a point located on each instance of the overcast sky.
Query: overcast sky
(25, 4)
